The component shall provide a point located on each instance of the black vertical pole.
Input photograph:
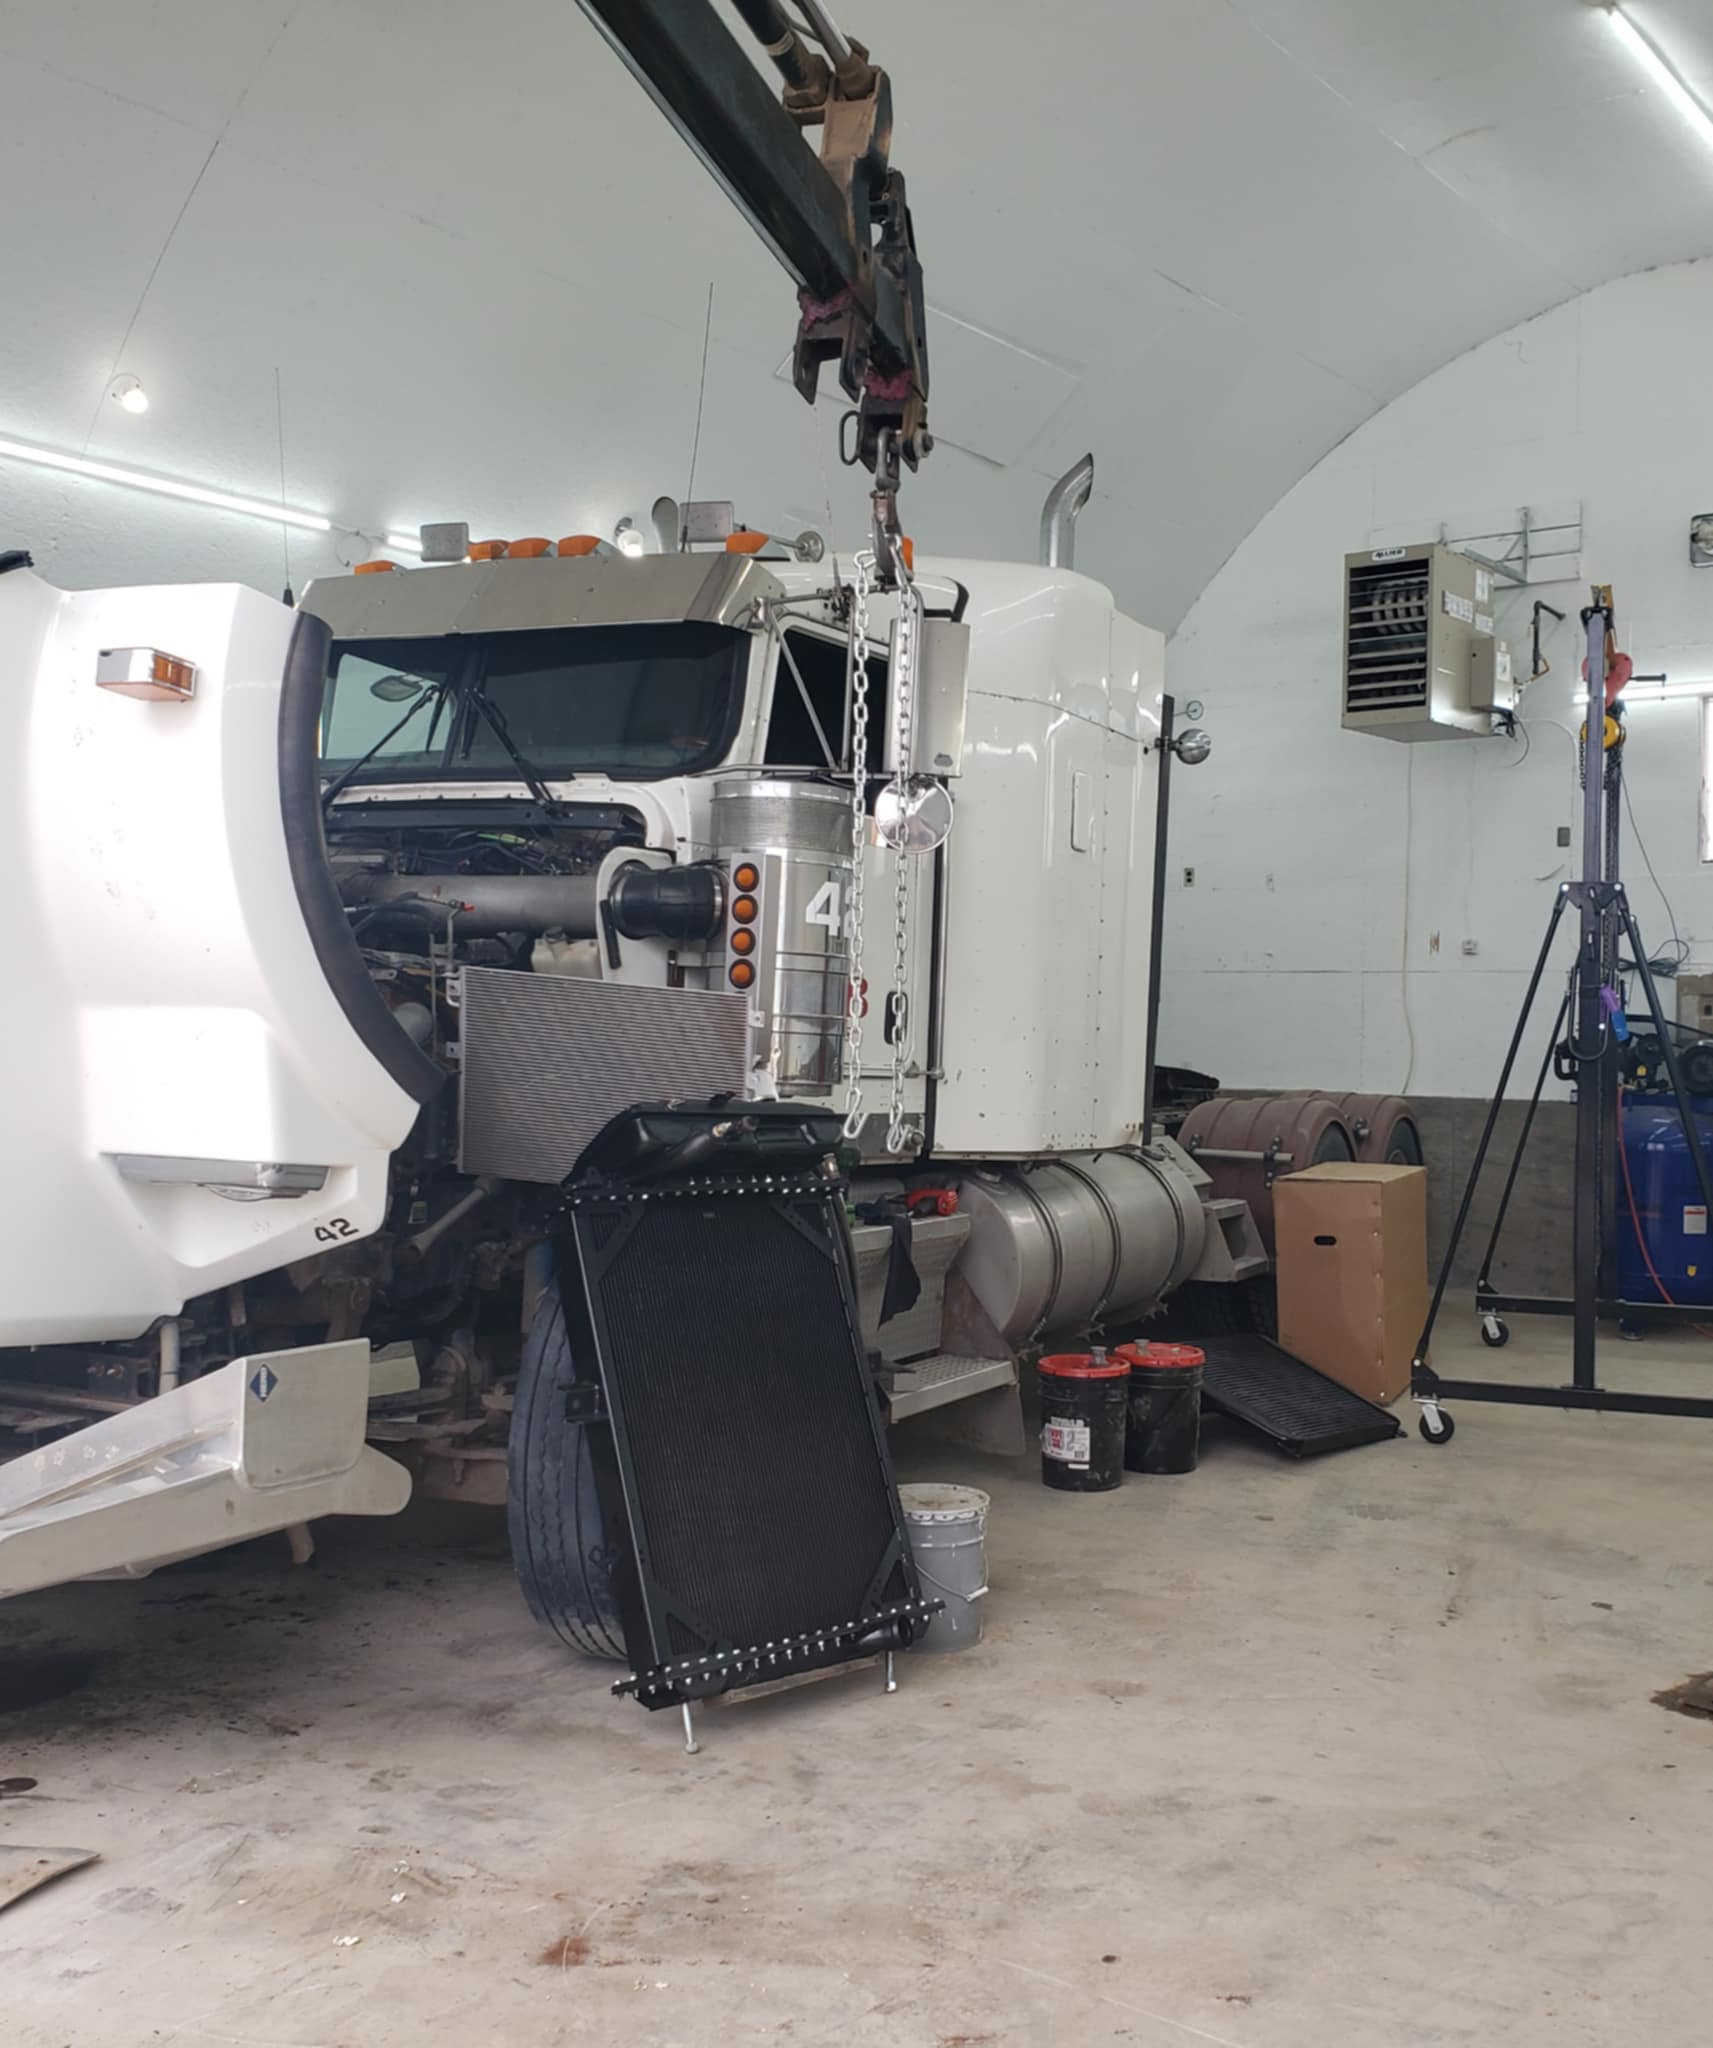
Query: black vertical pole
(1156, 936)
(1588, 1027)
(1610, 1137)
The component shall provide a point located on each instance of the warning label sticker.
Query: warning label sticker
(1695, 1219)
(1459, 607)
(1066, 1443)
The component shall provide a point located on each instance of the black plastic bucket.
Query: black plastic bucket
(1083, 1409)
(1163, 1425)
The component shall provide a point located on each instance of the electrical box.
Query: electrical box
(1493, 681)
(1420, 659)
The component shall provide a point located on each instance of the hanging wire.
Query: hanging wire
(1682, 950)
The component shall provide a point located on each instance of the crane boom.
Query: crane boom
(838, 220)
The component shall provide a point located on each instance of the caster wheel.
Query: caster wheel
(1495, 1334)
(1436, 1426)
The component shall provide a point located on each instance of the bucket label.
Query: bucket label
(1067, 1443)
(1695, 1219)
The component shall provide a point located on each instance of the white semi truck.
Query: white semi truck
(335, 933)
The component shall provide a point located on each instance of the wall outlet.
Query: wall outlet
(1564, 835)
(1189, 878)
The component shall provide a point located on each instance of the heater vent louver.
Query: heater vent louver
(1415, 620)
(1386, 636)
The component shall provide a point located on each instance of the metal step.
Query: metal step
(1251, 1267)
(1233, 1249)
(933, 1382)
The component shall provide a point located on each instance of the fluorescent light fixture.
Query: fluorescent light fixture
(1654, 693)
(403, 543)
(162, 486)
(1663, 72)
(1660, 693)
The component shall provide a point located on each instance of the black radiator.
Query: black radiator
(745, 1480)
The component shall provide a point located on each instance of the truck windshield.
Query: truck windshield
(634, 702)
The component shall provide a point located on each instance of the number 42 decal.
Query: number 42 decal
(335, 1230)
(826, 907)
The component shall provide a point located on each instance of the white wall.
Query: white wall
(1285, 959)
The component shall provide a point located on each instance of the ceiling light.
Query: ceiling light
(1653, 693)
(404, 543)
(1661, 70)
(1660, 693)
(627, 538)
(162, 486)
(130, 393)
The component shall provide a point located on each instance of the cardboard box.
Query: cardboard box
(1351, 1251)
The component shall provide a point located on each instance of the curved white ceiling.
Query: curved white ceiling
(1204, 237)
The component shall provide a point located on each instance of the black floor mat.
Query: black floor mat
(1297, 1409)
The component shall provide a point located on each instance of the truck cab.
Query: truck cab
(345, 930)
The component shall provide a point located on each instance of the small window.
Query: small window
(387, 695)
(810, 705)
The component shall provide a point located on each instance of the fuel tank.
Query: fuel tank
(1092, 1237)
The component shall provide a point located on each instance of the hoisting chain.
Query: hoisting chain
(900, 1133)
(856, 998)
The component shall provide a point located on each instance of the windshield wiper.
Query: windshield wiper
(341, 783)
(519, 759)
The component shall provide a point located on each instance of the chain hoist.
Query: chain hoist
(900, 1133)
(856, 997)
(884, 566)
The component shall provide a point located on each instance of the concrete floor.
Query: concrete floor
(1360, 1751)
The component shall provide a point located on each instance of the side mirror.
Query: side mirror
(395, 689)
(1193, 747)
(917, 819)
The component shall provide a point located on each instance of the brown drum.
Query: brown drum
(1245, 1142)
(1384, 1128)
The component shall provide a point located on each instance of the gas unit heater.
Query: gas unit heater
(1420, 658)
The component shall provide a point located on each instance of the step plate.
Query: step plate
(934, 1382)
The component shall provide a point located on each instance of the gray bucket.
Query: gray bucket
(948, 1531)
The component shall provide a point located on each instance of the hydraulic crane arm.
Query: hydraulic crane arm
(838, 221)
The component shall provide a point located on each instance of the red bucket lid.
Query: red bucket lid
(1083, 1365)
(1161, 1355)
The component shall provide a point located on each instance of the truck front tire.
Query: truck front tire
(558, 1537)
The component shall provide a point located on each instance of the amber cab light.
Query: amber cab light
(744, 910)
(747, 875)
(741, 973)
(743, 940)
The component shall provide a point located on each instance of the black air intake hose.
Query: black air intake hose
(667, 903)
